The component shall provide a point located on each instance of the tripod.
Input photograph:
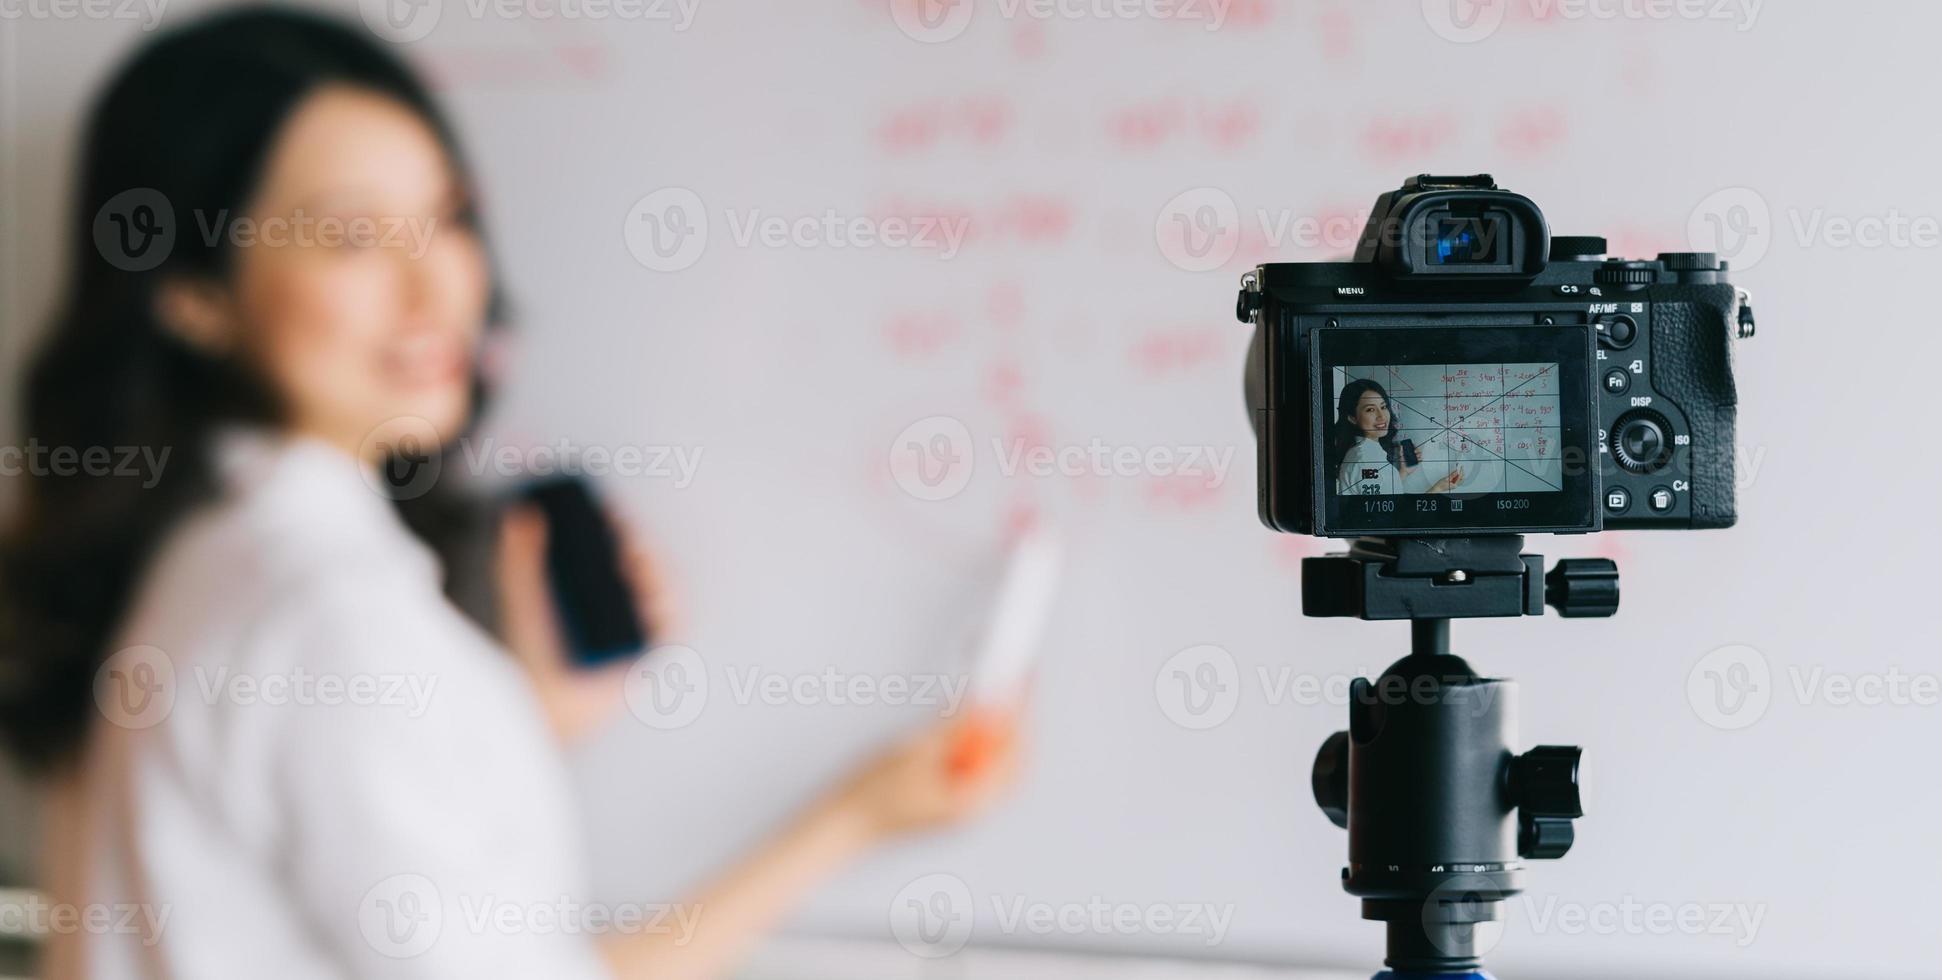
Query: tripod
(1441, 814)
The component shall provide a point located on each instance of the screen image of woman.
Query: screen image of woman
(1368, 457)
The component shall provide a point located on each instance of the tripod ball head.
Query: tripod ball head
(1441, 813)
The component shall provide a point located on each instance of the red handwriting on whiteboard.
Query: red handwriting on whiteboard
(979, 121)
(1178, 350)
(1146, 126)
(1249, 14)
(1407, 137)
(1033, 219)
(571, 63)
(1182, 492)
(1005, 304)
(1337, 35)
(1028, 40)
(1532, 132)
(1026, 432)
(916, 334)
(1227, 125)
(1022, 218)
(1004, 381)
(1231, 126)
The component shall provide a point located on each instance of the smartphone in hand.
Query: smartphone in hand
(1408, 448)
(599, 611)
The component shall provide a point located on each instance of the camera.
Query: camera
(1467, 373)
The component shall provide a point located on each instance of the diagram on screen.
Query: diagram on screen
(1495, 425)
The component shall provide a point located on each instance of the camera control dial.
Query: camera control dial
(1641, 441)
(1628, 274)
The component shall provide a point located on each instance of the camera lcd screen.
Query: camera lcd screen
(1453, 428)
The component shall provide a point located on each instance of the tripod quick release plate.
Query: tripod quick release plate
(1453, 578)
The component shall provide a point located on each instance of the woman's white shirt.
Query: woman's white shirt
(313, 765)
(1366, 469)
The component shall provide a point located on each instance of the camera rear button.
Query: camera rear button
(1616, 331)
(1617, 380)
(1618, 500)
(1660, 499)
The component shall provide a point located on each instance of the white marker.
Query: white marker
(1009, 646)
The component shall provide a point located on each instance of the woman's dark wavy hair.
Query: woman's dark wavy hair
(1343, 433)
(192, 116)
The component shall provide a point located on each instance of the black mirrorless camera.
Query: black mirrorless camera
(1469, 374)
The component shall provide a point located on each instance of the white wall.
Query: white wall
(1064, 140)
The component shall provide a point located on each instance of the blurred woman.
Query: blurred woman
(321, 299)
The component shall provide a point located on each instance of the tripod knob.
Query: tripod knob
(1331, 778)
(1544, 782)
(1544, 838)
(1582, 587)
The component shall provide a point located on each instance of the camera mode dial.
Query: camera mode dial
(1577, 248)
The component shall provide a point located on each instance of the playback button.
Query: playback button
(1618, 500)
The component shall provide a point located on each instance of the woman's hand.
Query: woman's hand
(939, 776)
(1403, 468)
(577, 700)
(1448, 483)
